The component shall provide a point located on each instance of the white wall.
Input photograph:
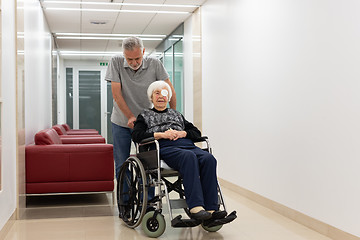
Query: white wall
(8, 115)
(281, 85)
(37, 45)
(37, 94)
(188, 70)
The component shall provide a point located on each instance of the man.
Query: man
(130, 76)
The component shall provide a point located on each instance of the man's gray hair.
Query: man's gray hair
(131, 43)
(158, 85)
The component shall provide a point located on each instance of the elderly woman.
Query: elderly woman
(177, 149)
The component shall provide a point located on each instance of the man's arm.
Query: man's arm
(119, 99)
(173, 98)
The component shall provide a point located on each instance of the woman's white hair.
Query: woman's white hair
(158, 85)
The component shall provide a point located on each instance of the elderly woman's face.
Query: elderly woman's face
(160, 98)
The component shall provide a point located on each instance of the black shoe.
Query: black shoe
(201, 215)
(218, 214)
(215, 216)
(217, 222)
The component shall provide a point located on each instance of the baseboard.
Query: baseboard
(314, 224)
(5, 230)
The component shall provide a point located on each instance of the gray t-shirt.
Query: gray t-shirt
(134, 84)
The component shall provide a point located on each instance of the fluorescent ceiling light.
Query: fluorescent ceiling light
(157, 54)
(86, 53)
(114, 10)
(110, 35)
(106, 38)
(174, 39)
(89, 53)
(123, 4)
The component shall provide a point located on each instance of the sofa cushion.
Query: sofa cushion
(47, 137)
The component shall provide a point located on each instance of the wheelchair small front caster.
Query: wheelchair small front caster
(153, 226)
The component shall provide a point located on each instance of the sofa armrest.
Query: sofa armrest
(67, 163)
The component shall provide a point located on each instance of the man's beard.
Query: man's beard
(135, 68)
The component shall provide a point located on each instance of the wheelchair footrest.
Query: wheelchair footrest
(178, 222)
(216, 222)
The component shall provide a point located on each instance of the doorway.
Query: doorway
(88, 104)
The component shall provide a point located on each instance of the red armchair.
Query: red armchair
(52, 167)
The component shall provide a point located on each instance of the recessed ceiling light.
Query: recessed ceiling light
(98, 22)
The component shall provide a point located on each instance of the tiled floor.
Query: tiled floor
(93, 217)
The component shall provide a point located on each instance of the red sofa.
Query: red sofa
(53, 167)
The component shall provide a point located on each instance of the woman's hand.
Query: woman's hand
(170, 134)
(178, 134)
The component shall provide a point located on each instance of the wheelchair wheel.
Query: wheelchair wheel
(132, 192)
(153, 227)
(211, 229)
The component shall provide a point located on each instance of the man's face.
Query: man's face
(134, 57)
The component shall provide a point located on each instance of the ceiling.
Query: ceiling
(83, 18)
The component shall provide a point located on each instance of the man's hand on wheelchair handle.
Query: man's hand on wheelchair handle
(131, 122)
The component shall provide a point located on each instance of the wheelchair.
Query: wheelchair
(145, 172)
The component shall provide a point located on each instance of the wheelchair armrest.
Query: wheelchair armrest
(200, 139)
(152, 139)
(147, 140)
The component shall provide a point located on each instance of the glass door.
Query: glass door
(86, 99)
(173, 63)
(89, 116)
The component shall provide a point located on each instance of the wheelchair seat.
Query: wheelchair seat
(167, 171)
(164, 166)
